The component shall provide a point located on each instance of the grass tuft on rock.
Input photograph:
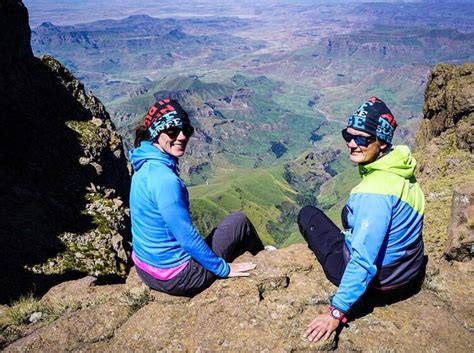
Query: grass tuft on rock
(21, 310)
(136, 298)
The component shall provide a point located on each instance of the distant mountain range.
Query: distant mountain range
(268, 88)
(324, 46)
(135, 47)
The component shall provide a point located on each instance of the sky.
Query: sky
(64, 12)
(67, 12)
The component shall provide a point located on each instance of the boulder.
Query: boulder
(449, 104)
(460, 243)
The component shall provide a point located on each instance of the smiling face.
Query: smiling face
(172, 142)
(362, 154)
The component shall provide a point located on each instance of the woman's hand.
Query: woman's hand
(321, 327)
(241, 269)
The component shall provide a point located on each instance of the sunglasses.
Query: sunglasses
(173, 132)
(363, 141)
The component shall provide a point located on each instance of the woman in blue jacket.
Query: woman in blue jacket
(168, 252)
(379, 256)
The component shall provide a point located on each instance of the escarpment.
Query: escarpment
(64, 176)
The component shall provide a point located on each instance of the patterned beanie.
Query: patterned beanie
(163, 115)
(374, 117)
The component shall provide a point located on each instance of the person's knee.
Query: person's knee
(239, 222)
(305, 215)
(239, 218)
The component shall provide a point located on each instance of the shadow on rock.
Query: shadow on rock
(44, 184)
(374, 298)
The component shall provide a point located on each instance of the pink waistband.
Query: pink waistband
(163, 274)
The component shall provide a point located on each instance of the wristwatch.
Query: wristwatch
(337, 314)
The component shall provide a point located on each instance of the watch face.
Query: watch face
(336, 313)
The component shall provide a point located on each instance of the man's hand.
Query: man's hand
(321, 327)
(241, 269)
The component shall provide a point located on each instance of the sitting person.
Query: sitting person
(380, 255)
(169, 254)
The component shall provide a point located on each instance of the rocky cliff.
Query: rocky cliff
(445, 143)
(64, 175)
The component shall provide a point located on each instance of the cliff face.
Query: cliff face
(449, 106)
(15, 44)
(445, 161)
(64, 176)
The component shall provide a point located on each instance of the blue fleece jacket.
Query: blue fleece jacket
(163, 233)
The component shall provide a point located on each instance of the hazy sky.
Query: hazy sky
(61, 12)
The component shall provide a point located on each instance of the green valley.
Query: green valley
(261, 193)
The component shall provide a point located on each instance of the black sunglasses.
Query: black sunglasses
(363, 141)
(173, 132)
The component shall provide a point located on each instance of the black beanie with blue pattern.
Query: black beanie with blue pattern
(374, 117)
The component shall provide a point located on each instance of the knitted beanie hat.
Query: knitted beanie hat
(374, 117)
(163, 115)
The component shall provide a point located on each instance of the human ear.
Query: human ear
(383, 146)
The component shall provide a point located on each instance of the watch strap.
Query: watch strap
(337, 314)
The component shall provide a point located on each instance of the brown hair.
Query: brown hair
(141, 134)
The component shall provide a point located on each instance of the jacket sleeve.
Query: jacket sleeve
(174, 208)
(372, 215)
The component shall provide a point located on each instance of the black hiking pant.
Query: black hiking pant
(327, 242)
(230, 239)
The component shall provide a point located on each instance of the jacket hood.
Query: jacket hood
(399, 161)
(147, 152)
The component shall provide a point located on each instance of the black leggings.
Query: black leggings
(230, 239)
(326, 241)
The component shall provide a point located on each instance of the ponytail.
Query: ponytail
(141, 134)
